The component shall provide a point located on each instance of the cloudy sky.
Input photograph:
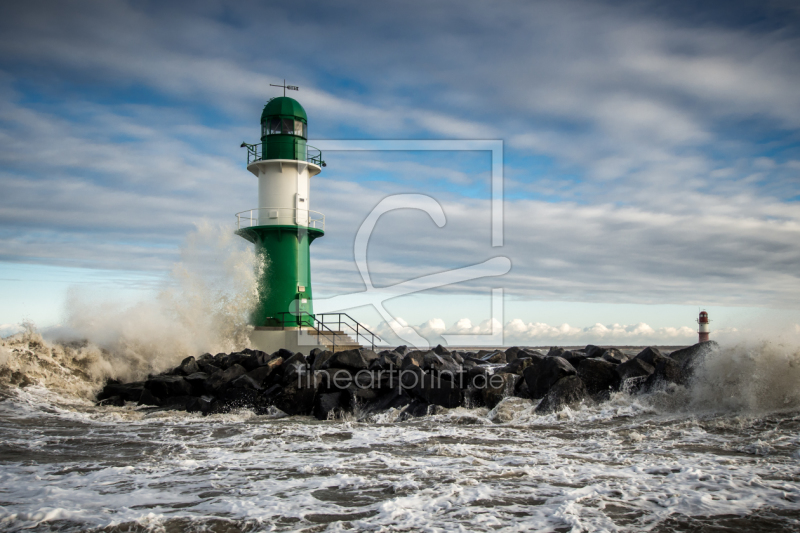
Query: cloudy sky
(651, 155)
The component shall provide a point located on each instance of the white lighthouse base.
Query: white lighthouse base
(301, 340)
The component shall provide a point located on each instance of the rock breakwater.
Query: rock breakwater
(413, 382)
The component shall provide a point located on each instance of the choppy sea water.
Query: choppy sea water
(631, 464)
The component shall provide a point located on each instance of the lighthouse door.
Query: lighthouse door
(301, 210)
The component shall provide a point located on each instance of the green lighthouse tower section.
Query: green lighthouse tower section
(285, 282)
(284, 129)
(282, 226)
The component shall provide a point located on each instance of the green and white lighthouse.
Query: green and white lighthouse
(283, 226)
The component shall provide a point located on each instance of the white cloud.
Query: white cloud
(518, 332)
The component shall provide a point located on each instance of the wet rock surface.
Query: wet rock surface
(414, 382)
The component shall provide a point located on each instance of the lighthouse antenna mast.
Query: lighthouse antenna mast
(284, 86)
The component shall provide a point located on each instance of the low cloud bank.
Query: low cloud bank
(519, 332)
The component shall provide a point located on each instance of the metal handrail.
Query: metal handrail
(313, 155)
(299, 322)
(314, 219)
(298, 315)
(253, 152)
(358, 326)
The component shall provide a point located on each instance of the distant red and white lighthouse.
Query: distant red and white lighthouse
(703, 322)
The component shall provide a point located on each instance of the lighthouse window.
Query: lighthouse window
(274, 126)
(285, 126)
(299, 128)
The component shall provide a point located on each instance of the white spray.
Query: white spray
(202, 307)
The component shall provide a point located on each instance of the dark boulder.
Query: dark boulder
(283, 353)
(168, 386)
(239, 398)
(262, 357)
(499, 386)
(475, 360)
(666, 371)
(178, 403)
(221, 379)
(130, 392)
(235, 358)
(312, 356)
(530, 352)
(197, 382)
(691, 353)
(522, 389)
(356, 359)
(568, 391)
(204, 404)
(694, 359)
(295, 366)
(431, 389)
(394, 398)
(441, 350)
(260, 374)
(511, 353)
(614, 356)
(206, 358)
(574, 357)
(401, 350)
(363, 394)
(635, 368)
(245, 382)
(544, 374)
(295, 399)
(593, 351)
(147, 398)
(477, 377)
(320, 359)
(495, 358)
(332, 404)
(333, 379)
(518, 365)
(650, 355)
(555, 351)
(274, 366)
(440, 363)
(252, 361)
(415, 358)
(208, 367)
(598, 375)
(438, 391)
(386, 361)
(188, 366)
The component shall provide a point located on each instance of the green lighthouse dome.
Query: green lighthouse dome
(284, 107)
(284, 129)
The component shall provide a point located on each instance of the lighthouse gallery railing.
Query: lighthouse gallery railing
(265, 216)
(313, 155)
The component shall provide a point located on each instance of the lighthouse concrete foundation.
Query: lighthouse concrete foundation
(299, 339)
